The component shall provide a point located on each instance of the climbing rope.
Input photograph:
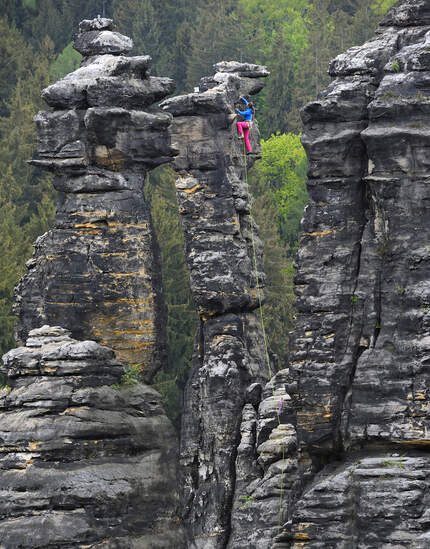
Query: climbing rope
(263, 329)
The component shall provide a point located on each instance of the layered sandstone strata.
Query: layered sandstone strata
(223, 254)
(85, 460)
(97, 271)
(358, 373)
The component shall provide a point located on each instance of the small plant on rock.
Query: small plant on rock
(130, 377)
(392, 463)
(395, 66)
(3, 384)
(246, 500)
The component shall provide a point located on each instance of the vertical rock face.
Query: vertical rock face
(358, 374)
(96, 272)
(335, 454)
(84, 462)
(359, 351)
(229, 363)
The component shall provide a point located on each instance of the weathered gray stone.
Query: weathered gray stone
(378, 501)
(408, 13)
(83, 460)
(71, 91)
(99, 23)
(99, 42)
(221, 239)
(335, 456)
(97, 271)
(129, 93)
(245, 70)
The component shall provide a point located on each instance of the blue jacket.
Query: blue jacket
(247, 114)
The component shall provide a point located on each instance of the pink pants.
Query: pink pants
(243, 129)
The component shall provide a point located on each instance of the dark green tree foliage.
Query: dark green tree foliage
(67, 61)
(56, 19)
(275, 106)
(282, 174)
(26, 209)
(216, 36)
(182, 320)
(16, 61)
(278, 182)
(161, 30)
(278, 310)
(18, 12)
(181, 50)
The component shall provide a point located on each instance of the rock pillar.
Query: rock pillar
(97, 271)
(361, 347)
(88, 457)
(229, 363)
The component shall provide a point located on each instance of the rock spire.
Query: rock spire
(97, 272)
(352, 443)
(229, 364)
(88, 457)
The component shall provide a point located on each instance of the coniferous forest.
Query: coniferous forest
(296, 39)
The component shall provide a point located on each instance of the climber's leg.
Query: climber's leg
(240, 127)
(246, 132)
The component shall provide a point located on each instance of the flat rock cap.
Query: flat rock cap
(49, 331)
(101, 42)
(248, 70)
(99, 23)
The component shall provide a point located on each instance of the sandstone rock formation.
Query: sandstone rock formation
(229, 362)
(358, 378)
(97, 272)
(84, 460)
(88, 458)
(332, 451)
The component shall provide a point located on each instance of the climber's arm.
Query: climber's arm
(243, 113)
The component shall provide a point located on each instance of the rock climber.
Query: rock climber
(244, 127)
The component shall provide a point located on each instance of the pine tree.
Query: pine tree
(18, 11)
(17, 59)
(215, 37)
(364, 22)
(278, 310)
(180, 52)
(276, 101)
(153, 27)
(49, 23)
(26, 209)
(67, 61)
(313, 77)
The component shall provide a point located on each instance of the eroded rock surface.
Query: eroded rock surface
(331, 453)
(358, 373)
(84, 460)
(229, 364)
(97, 272)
